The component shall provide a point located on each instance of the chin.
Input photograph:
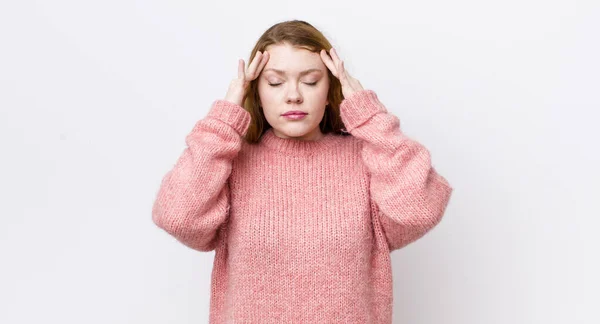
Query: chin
(295, 130)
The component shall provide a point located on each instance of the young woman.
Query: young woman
(302, 183)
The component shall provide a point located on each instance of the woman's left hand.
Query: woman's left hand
(336, 66)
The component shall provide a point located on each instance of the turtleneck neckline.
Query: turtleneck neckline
(294, 146)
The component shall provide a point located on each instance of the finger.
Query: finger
(347, 75)
(252, 68)
(340, 65)
(241, 69)
(343, 69)
(335, 56)
(343, 76)
(328, 62)
(262, 64)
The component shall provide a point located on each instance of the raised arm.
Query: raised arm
(409, 194)
(193, 200)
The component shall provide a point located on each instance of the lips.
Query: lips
(294, 112)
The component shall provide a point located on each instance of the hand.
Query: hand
(237, 87)
(336, 66)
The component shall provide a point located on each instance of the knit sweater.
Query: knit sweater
(302, 230)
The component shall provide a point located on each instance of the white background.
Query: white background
(96, 98)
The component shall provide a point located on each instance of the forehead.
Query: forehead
(292, 60)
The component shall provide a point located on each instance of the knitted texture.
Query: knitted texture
(302, 230)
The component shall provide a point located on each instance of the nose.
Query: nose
(294, 96)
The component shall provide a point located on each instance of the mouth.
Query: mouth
(294, 113)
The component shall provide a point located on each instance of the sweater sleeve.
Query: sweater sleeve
(410, 197)
(193, 199)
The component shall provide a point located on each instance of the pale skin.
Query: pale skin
(336, 66)
(331, 61)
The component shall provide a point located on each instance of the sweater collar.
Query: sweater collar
(293, 146)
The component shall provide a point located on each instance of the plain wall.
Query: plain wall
(96, 98)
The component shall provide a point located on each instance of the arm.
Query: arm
(193, 200)
(409, 195)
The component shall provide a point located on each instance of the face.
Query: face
(294, 79)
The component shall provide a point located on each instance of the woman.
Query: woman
(303, 183)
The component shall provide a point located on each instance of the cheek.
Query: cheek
(323, 92)
(324, 86)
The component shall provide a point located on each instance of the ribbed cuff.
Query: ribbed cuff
(359, 107)
(232, 114)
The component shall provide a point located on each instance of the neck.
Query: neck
(313, 135)
(296, 146)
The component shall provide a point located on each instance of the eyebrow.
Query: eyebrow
(301, 73)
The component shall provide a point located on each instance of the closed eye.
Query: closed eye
(277, 84)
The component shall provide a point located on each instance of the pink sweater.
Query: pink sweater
(302, 230)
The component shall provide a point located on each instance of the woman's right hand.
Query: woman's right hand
(237, 87)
